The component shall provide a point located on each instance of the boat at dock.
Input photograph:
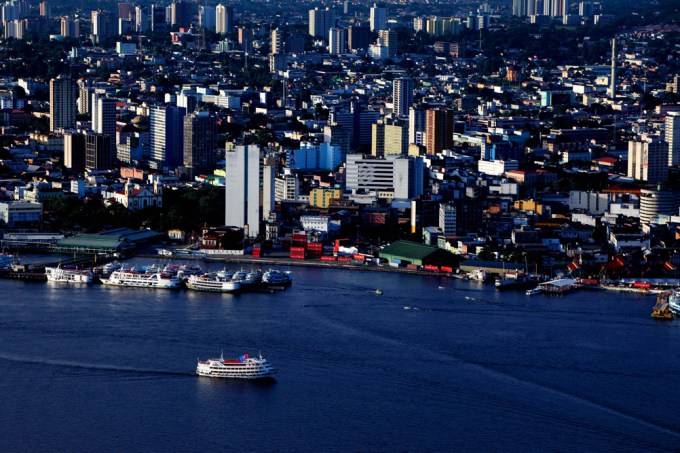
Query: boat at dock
(142, 280)
(213, 282)
(661, 309)
(276, 277)
(516, 281)
(674, 302)
(68, 274)
(534, 291)
(243, 367)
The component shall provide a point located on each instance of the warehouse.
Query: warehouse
(407, 252)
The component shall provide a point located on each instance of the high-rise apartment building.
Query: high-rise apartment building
(70, 27)
(672, 137)
(45, 10)
(278, 43)
(439, 130)
(200, 143)
(166, 131)
(181, 13)
(388, 38)
(99, 151)
(378, 17)
(447, 218)
(402, 95)
(224, 19)
(320, 21)
(103, 26)
(63, 95)
(74, 151)
(242, 189)
(416, 124)
(207, 17)
(358, 37)
(246, 38)
(103, 115)
(648, 160)
(158, 18)
(337, 41)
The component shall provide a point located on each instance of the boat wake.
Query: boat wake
(92, 366)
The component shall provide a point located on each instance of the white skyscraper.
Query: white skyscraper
(378, 17)
(242, 189)
(672, 137)
(648, 160)
(224, 19)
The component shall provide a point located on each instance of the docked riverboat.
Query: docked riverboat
(213, 282)
(142, 280)
(276, 277)
(242, 368)
(68, 275)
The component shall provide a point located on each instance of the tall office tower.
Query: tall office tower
(103, 26)
(534, 8)
(242, 189)
(336, 135)
(158, 19)
(74, 151)
(245, 38)
(672, 137)
(586, 9)
(181, 13)
(141, 19)
(337, 41)
(378, 139)
(278, 43)
(439, 130)
(320, 21)
(200, 143)
(356, 121)
(221, 20)
(268, 187)
(126, 10)
(166, 131)
(648, 160)
(45, 10)
(658, 200)
(85, 92)
(358, 38)
(99, 151)
(612, 78)
(396, 139)
(388, 38)
(416, 124)
(62, 103)
(519, 8)
(447, 218)
(378, 17)
(207, 17)
(103, 115)
(70, 28)
(402, 95)
(9, 12)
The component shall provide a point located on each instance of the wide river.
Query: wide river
(433, 364)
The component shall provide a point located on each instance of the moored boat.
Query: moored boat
(142, 280)
(243, 367)
(277, 278)
(661, 308)
(674, 302)
(534, 291)
(68, 275)
(213, 283)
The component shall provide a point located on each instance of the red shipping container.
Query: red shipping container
(359, 257)
(344, 259)
(412, 266)
(430, 267)
(327, 258)
(447, 269)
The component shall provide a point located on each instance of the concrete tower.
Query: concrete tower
(612, 81)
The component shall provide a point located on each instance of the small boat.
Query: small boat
(661, 310)
(378, 292)
(243, 367)
(534, 291)
(68, 274)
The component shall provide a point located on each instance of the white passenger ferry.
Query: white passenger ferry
(213, 282)
(139, 280)
(242, 368)
(68, 275)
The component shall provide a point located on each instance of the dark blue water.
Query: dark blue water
(97, 368)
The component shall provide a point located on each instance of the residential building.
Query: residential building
(378, 17)
(337, 41)
(320, 21)
(200, 145)
(672, 137)
(402, 95)
(439, 130)
(321, 197)
(388, 38)
(224, 19)
(242, 189)
(63, 95)
(648, 160)
(447, 218)
(167, 135)
(358, 38)
(98, 151)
